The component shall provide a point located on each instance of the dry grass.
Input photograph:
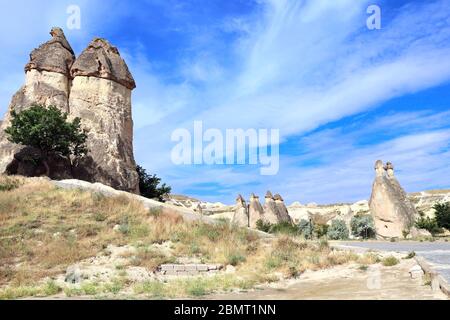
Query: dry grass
(44, 229)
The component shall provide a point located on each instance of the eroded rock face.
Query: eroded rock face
(256, 211)
(105, 109)
(95, 87)
(282, 211)
(270, 209)
(47, 82)
(240, 217)
(392, 211)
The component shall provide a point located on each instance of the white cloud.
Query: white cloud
(295, 65)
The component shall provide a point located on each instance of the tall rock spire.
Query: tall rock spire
(256, 211)
(240, 216)
(47, 82)
(270, 209)
(392, 211)
(282, 211)
(96, 87)
(101, 97)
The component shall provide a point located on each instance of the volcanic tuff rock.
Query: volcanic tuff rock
(256, 211)
(270, 209)
(282, 211)
(101, 97)
(240, 216)
(99, 85)
(390, 207)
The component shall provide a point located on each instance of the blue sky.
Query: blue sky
(341, 95)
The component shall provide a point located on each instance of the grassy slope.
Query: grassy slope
(44, 229)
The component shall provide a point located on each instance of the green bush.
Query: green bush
(234, 258)
(49, 131)
(442, 215)
(263, 226)
(320, 230)
(306, 228)
(284, 228)
(428, 224)
(363, 226)
(338, 230)
(149, 185)
(390, 261)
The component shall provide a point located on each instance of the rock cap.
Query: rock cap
(55, 55)
(102, 60)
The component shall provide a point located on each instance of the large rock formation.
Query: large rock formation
(270, 209)
(47, 82)
(282, 211)
(240, 217)
(392, 211)
(95, 87)
(101, 97)
(256, 211)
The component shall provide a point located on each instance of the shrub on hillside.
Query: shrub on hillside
(280, 228)
(320, 230)
(306, 228)
(338, 230)
(263, 226)
(390, 261)
(429, 224)
(363, 226)
(49, 131)
(442, 215)
(148, 185)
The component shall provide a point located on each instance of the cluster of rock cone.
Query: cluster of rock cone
(95, 87)
(274, 211)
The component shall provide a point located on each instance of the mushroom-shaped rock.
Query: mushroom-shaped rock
(101, 97)
(256, 211)
(282, 211)
(55, 55)
(392, 211)
(240, 216)
(46, 83)
(270, 209)
(102, 60)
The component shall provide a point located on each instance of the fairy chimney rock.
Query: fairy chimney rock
(282, 211)
(270, 209)
(95, 87)
(392, 211)
(256, 211)
(240, 216)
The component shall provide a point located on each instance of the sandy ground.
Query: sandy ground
(346, 283)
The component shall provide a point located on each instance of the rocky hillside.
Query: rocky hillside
(72, 238)
(423, 201)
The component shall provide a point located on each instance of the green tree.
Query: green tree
(363, 226)
(148, 185)
(48, 130)
(338, 230)
(306, 228)
(429, 224)
(442, 215)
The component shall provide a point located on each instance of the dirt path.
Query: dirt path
(346, 283)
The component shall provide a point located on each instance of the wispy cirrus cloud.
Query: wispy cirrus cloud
(298, 66)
